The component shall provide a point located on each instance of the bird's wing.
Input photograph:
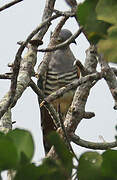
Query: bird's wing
(63, 103)
(46, 120)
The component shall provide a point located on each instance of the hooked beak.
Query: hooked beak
(74, 41)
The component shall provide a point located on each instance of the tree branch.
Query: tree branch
(26, 69)
(49, 107)
(60, 92)
(66, 13)
(42, 69)
(5, 76)
(92, 145)
(66, 137)
(9, 4)
(77, 109)
(114, 70)
(47, 13)
(66, 43)
(110, 78)
(27, 64)
(8, 100)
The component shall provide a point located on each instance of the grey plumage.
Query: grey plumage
(60, 73)
(64, 35)
(61, 70)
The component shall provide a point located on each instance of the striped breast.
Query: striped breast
(55, 81)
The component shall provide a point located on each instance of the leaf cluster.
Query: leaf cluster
(16, 152)
(17, 149)
(99, 18)
(93, 166)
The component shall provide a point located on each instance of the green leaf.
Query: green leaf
(86, 15)
(89, 167)
(29, 172)
(107, 11)
(48, 170)
(2, 134)
(109, 46)
(23, 142)
(62, 151)
(8, 154)
(52, 169)
(109, 165)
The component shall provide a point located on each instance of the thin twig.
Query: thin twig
(42, 69)
(44, 23)
(53, 113)
(66, 13)
(47, 13)
(5, 76)
(92, 145)
(110, 78)
(66, 136)
(9, 4)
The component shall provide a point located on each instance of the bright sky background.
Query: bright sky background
(15, 24)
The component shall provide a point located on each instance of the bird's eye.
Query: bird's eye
(59, 39)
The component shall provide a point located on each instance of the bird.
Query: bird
(61, 71)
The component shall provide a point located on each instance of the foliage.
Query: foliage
(17, 149)
(95, 29)
(99, 18)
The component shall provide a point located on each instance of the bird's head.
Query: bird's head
(64, 35)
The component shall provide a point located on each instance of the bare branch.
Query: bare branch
(92, 145)
(64, 44)
(66, 137)
(47, 13)
(36, 42)
(16, 65)
(9, 4)
(114, 70)
(5, 76)
(49, 107)
(66, 13)
(91, 77)
(88, 115)
(77, 109)
(42, 69)
(110, 78)
(6, 122)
